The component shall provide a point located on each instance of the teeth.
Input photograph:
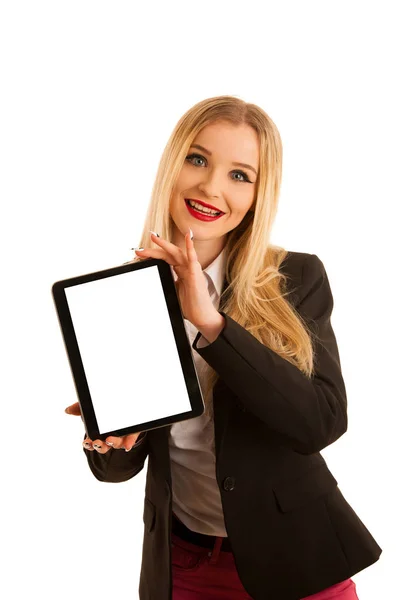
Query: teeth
(203, 209)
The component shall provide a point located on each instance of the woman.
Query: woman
(239, 502)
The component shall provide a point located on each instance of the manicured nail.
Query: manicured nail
(154, 233)
(96, 446)
(87, 445)
(137, 249)
(110, 443)
(128, 449)
(191, 233)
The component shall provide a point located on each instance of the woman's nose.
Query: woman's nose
(211, 184)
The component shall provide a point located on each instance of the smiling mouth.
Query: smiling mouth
(195, 205)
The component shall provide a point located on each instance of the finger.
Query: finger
(151, 252)
(190, 249)
(73, 409)
(100, 446)
(124, 442)
(191, 254)
(87, 443)
(170, 248)
(113, 441)
(130, 440)
(161, 254)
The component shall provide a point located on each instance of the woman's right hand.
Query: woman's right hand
(102, 447)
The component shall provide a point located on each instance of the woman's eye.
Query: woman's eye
(245, 178)
(197, 156)
(191, 156)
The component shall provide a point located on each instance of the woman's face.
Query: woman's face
(210, 175)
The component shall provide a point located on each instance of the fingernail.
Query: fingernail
(110, 443)
(96, 446)
(154, 233)
(127, 449)
(87, 445)
(191, 233)
(137, 249)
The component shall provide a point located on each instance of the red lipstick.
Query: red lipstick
(202, 216)
(205, 204)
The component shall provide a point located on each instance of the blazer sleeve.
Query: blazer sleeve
(304, 414)
(117, 465)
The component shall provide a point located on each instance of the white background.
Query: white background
(90, 92)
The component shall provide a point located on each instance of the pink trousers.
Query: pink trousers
(201, 574)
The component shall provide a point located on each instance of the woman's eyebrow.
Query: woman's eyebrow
(234, 163)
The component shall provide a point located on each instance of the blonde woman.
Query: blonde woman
(239, 502)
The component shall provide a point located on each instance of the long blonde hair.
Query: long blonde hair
(255, 295)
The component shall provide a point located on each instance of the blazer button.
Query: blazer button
(229, 484)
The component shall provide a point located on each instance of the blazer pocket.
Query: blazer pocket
(149, 514)
(298, 491)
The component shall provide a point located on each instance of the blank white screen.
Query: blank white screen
(128, 349)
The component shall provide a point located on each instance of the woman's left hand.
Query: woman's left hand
(194, 298)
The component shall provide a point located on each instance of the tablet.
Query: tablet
(128, 349)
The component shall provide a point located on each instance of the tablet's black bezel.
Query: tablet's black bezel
(75, 361)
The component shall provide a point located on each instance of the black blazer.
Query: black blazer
(292, 532)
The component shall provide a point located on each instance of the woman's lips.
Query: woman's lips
(201, 216)
(210, 206)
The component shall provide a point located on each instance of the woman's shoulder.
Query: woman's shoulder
(293, 263)
(292, 266)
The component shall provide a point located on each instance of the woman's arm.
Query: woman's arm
(117, 465)
(306, 414)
